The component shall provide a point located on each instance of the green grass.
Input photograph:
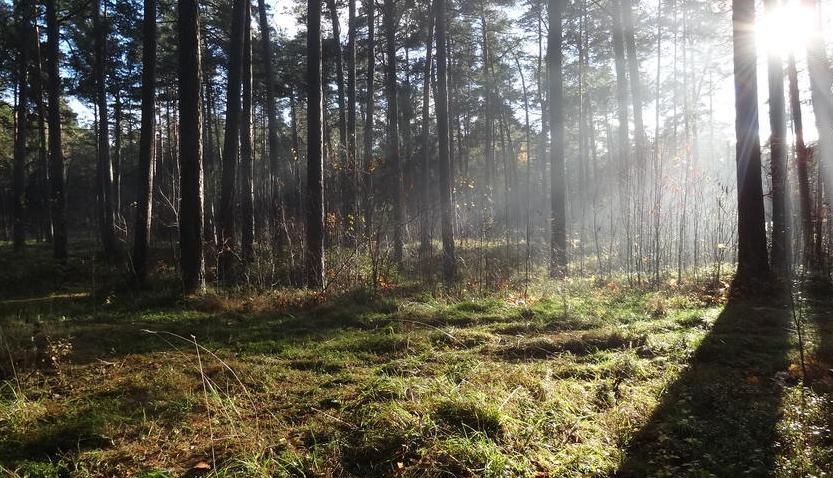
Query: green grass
(576, 380)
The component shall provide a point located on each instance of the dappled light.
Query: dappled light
(416, 238)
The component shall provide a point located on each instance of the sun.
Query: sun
(786, 29)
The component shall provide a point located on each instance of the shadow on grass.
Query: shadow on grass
(719, 418)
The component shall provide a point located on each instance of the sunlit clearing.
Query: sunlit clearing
(786, 29)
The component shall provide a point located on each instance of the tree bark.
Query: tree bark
(279, 223)
(753, 266)
(104, 174)
(56, 157)
(779, 259)
(315, 160)
(19, 166)
(246, 157)
(802, 155)
(393, 153)
(445, 173)
(425, 173)
(367, 182)
(190, 151)
(351, 199)
(147, 143)
(638, 123)
(231, 142)
(342, 114)
(558, 239)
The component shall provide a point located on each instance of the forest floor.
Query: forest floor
(583, 378)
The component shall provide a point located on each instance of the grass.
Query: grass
(591, 380)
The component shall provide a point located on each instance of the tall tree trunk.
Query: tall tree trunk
(623, 145)
(315, 159)
(638, 123)
(231, 142)
(752, 250)
(352, 170)
(117, 156)
(342, 114)
(56, 157)
(393, 153)
(190, 151)
(19, 166)
(246, 157)
(802, 155)
(43, 219)
(367, 169)
(282, 235)
(821, 82)
(446, 178)
(104, 173)
(147, 143)
(425, 173)
(558, 238)
(778, 157)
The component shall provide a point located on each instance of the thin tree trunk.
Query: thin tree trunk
(342, 114)
(246, 156)
(393, 153)
(351, 184)
(315, 160)
(638, 123)
(147, 144)
(367, 183)
(802, 155)
(446, 178)
(425, 173)
(753, 265)
(278, 229)
(19, 166)
(42, 171)
(105, 166)
(558, 238)
(190, 151)
(56, 157)
(231, 143)
(778, 157)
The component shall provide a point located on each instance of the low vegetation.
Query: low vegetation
(578, 379)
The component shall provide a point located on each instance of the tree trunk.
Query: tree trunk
(753, 266)
(393, 153)
(190, 151)
(558, 239)
(445, 173)
(623, 145)
(279, 224)
(342, 115)
(104, 173)
(802, 155)
(56, 157)
(821, 82)
(19, 166)
(425, 167)
(315, 159)
(147, 143)
(43, 220)
(231, 142)
(367, 183)
(638, 123)
(247, 192)
(351, 199)
(778, 158)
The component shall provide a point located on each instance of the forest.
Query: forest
(416, 238)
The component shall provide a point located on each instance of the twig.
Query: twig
(207, 406)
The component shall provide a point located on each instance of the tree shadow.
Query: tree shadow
(719, 417)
